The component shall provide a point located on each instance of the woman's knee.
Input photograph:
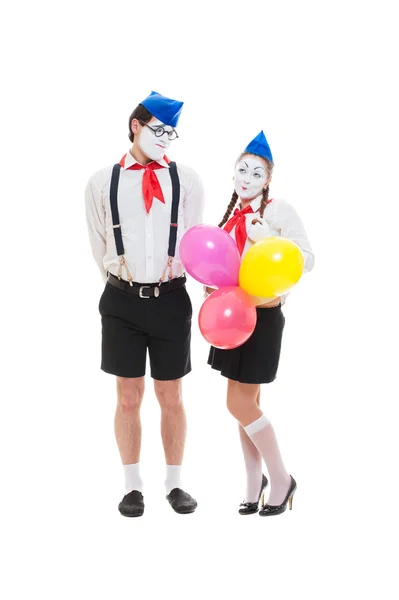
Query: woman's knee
(241, 399)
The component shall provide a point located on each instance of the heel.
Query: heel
(262, 499)
(280, 508)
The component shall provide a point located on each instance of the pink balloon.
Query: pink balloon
(227, 318)
(210, 255)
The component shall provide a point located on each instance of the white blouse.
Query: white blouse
(279, 219)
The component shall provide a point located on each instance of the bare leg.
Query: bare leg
(127, 418)
(173, 419)
(241, 402)
(173, 429)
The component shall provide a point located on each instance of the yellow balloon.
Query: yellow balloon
(271, 267)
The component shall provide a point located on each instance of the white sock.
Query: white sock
(173, 475)
(262, 434)
(253, 466)
(133, 480)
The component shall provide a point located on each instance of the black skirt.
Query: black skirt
(257, 360)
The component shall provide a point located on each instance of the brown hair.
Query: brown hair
(141, 114)
(265, 193)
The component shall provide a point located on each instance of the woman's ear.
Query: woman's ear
(267, 183)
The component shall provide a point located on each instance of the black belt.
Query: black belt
(147, 290)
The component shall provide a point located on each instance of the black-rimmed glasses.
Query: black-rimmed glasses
(159, 131)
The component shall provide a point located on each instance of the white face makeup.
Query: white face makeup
(154, 147)
(250, 177)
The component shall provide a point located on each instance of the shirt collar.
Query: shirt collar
(128, 161)
(256, 202)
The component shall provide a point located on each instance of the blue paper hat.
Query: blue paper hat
(260, 147)
(165, 109)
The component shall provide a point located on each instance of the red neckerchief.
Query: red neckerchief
(238, 219)
(151, 185)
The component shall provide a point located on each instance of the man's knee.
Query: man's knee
(168, 393)
(130, 393)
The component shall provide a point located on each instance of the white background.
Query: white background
(320, 78)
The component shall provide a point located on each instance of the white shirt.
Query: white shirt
(145, 236)
(279, 219)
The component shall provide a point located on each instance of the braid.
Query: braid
(229, 210)
(265, 193)
(265, 197)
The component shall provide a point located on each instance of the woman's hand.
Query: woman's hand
(258, 230)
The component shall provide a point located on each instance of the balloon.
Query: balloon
(271, 267)
(210, 255)
(227, 318)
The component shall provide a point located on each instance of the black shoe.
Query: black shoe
(249, 508)
(181, 502)
(132, 504)
(268, 510)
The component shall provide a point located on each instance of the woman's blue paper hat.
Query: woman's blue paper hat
(165, 109)
(260, 147)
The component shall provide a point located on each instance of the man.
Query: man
(137, 212)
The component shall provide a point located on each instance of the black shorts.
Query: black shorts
(257, 360)
(131, 324)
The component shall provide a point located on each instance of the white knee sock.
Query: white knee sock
(262, 434)
(173, 476)
(253, 466)
(133, 480)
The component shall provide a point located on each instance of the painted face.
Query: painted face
(154, 147)
(250, 177)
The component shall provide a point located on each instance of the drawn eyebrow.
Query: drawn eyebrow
(258, 168)
(245, 164)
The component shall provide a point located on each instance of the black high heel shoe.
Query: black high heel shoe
(249, 508)
(268, 509)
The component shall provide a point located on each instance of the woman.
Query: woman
(256, 361)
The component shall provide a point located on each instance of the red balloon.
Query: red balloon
(227, 318)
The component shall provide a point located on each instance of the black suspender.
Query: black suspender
(113, 197)
(175, 208)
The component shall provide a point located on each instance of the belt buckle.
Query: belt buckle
(141, 290)
(156, 291)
